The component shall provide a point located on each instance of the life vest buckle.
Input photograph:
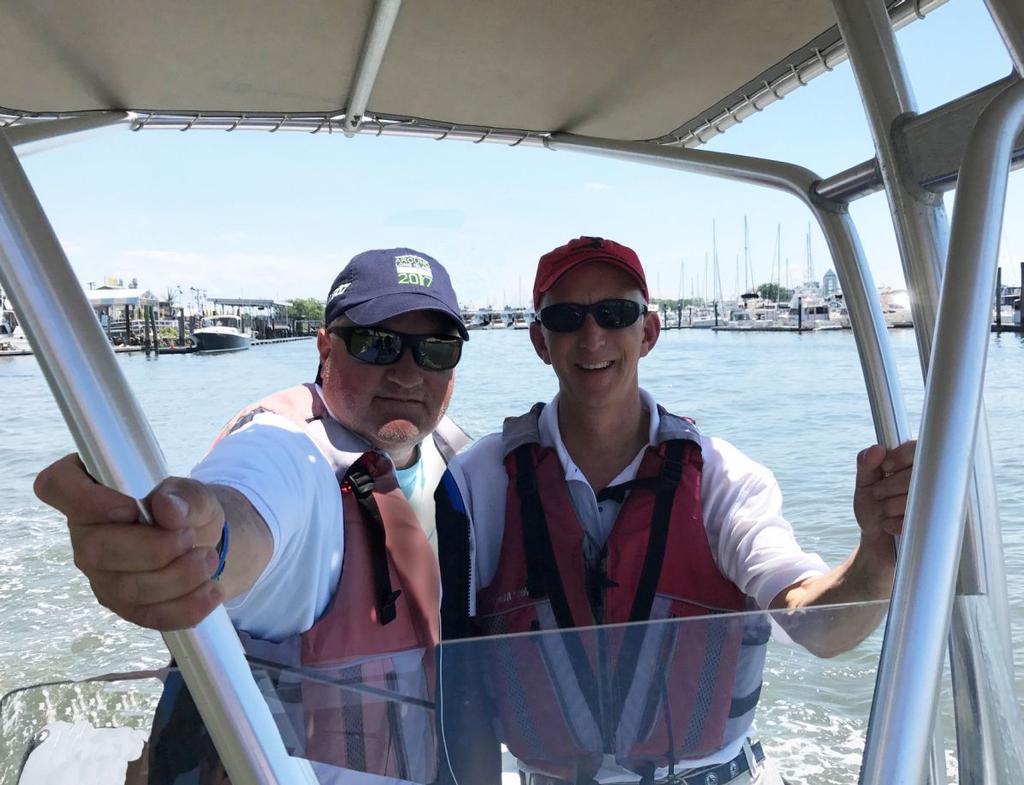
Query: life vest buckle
(671, 471)
(361, 484)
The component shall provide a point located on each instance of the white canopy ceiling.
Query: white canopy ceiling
(641, 69)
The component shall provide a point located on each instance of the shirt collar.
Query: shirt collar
(551, 435)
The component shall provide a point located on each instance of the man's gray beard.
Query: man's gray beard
(389, 435)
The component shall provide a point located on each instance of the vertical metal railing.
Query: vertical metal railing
(899, 740)
(119, 448)
(922, 236)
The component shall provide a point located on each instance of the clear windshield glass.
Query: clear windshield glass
(613, 703)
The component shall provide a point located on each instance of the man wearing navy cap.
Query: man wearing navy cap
(311, 519)
(602, 508)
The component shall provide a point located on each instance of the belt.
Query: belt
(720, 774)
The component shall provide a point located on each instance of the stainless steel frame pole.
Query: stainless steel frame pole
(899, 736)
(384, 16)
(117, 445)
(921, 229)
(36, 136)
(919, 219)
(1008, 16)
(883, 387)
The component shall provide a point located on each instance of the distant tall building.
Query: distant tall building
(829, 284)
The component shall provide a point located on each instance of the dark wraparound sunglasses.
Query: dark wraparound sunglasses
(377, 346)
(612, 314)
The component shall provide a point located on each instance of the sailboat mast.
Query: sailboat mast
(718, 270)
(809, 272)
(746, 256)
(778, 256)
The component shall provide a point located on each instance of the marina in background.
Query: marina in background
(134, 319)
(810, 306)
(138, 320)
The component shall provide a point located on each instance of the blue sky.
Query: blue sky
(277, 215)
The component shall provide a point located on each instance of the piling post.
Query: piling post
(999, 299)
(716, 313)
(127, 325)
(799, 314)
(145, 329)
(181, 327)
(156, 337)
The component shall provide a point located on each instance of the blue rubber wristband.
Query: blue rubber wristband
(222, 552)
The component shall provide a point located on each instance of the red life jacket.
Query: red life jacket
(356, 690)
(599, 691)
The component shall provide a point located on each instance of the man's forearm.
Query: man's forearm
(865, 576)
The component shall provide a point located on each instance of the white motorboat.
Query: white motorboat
(12, 338)
(221, 334)
(896, 307)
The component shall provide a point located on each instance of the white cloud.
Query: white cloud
(232, 274)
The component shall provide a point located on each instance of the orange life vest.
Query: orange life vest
(356, 690)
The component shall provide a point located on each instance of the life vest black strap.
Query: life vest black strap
(661, 517)
(542, 578)
(362, 486)
(744, 704)
(617, 493)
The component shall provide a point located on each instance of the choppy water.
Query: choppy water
(794, 402)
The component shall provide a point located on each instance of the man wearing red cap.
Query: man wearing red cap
(602, 508)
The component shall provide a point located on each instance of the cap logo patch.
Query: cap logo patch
(413, 270)
(339, 290)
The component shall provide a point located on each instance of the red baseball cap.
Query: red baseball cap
(554, 264)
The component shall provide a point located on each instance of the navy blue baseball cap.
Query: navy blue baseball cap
(377, 285)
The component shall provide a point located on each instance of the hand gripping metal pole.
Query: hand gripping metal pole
(919, 618)
(118, 447)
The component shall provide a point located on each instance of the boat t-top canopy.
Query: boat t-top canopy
(658, 70)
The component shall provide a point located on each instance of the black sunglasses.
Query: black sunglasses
(612, 314)
(377, 346)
